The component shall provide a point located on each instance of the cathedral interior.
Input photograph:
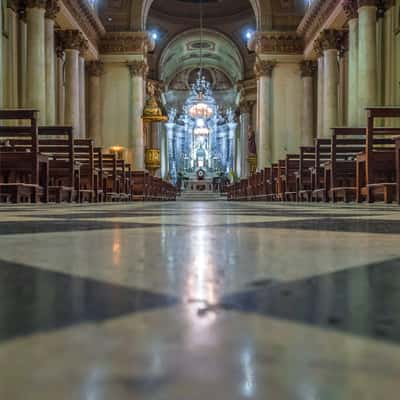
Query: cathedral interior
(199, 198)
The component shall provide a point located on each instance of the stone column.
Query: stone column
(170, 126)
(95, 70)
(164, 154)
(36, 65)
(52, 10)
(330, 40)
(367, 57)
(82, 96)
(308, 69)
(245, 109)
(1, 58)
(72, 41)
(320, 100)
(350, 8)
(231, 146)
(22, 60)
(60, 92)
(263, 71)
(12, 54)
(138, 70)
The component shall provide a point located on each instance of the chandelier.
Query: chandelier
(201, 89)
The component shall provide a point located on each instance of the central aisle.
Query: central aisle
(195, 300)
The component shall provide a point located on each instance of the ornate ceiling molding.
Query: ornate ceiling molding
(87, 19)
(276, 43)
(126, 43)
(315, 18)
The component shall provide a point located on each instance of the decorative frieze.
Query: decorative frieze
(52, 9)
(138, 68)
(87, 18)
(95, 68)
(276, 43)
(308, 68)
(264, 68)
(126, 43)
(315, 18)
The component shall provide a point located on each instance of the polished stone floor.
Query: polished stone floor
(194, 301)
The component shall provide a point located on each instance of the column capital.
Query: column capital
(383, 6)
(138, 68)
(95, 68)
(367, 3)
(72, 39)
(331, 39)
(350, 8)
(14, 5)
(308, 68)
(52, 9)
(318, 49)
(264, 68)
(245, 106)
(36, 4)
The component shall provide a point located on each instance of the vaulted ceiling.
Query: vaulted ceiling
(170, 18)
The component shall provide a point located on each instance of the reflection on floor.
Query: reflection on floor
(199, 300)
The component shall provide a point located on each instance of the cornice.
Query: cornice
(126, 43)
(87, 18)
(315, 18)
(274, 42)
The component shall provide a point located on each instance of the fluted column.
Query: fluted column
(367, 57)
(95, 70)
(82, 96)
(320, 83)
(36, 65)
(12, 54)
(232, 146)
(170, 126)
(60, 92)
(22, 59)
(164, 154)
(1, 59)
(330, 40)
(350, 8)
(245, 109)
(308, 69)
(138, 70)
(52, 10)
(72, 41)
(263, 70)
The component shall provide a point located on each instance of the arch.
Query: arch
(262, 10)
(224, 56)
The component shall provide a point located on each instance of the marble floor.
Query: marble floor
(194, 301)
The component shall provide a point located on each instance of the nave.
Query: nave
(199, 300)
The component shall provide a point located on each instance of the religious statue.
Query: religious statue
(153, 111)
(151, 89)
(172, 115)
(252, 141)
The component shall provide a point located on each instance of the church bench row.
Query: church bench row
(48, 164)
(361, 164)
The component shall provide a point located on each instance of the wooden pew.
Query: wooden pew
(84, 156)
(280, 181)
(303, 176)
(99, 178)
(376, 167)
(111, 180)
(289, 177)
(24, 173)
(271, 182)
(319, 181)
(124, 175)
(57, 143)
(346, 144)
(139, 185)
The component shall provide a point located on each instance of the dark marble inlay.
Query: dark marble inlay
(362, 301)
(34, 300)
